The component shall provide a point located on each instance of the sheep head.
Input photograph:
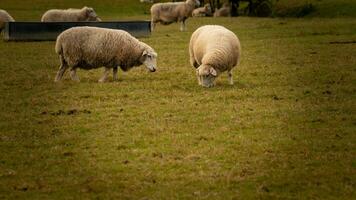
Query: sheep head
(149, 59)
(91, 15)
(207, 75)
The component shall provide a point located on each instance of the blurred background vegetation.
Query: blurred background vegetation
(32, 10)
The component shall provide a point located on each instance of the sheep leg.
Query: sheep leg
(182, 26)
(105, 76)
(114, 74)
(73, 74)
(199, 79)
(152, 25)
(231, 81)
(61, 70)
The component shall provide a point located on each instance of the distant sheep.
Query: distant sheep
(70, 15)
(202, 11)
(146, 1)
(224, 11)
(167, 13)
(5, 17)
(213, 49)
(92, 47)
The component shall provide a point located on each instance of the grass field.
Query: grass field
(285, 130)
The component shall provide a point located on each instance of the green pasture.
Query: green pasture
(284, 130)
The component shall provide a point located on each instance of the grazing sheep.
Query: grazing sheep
(92, 47)
(224, 11)
(213, 49)
(202, 11)
(167, 13)
(146, 1)
(70, 15)
(5, 17)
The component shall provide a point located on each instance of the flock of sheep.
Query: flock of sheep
(213, 49)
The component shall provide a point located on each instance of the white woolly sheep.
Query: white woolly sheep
(224, 11)
(213, 49)
(167, 13)
(92, 47)
(146, 1)
(202, 11)
(71, 14)
(5, 17)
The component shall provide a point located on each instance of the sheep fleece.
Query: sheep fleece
(224, 11)
(71, 14)
(5, 17)
(202, 11)
(215, 46)
(91, 47)
(172, 12)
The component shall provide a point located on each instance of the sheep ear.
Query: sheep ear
(144, 56)
(213, 72)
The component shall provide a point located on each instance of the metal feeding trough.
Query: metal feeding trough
(41, 31)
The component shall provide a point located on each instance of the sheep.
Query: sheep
(4, 17)
(92, 47)
(71, 14)
(224, 11)
(167, 13)
(202, 11)
(213, 49)
(146, 1)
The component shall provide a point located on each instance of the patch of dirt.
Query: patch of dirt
(63, 112)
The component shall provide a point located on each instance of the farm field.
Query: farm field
(284, 130)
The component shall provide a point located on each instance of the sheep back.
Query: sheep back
(215, 46)
(71, 14)
(172, 12)
(91, 47)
